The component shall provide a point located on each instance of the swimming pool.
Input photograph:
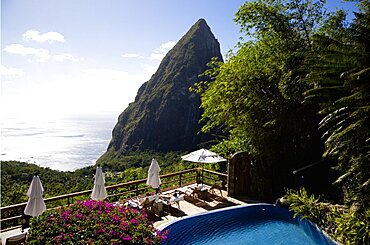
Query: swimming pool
(251, 224)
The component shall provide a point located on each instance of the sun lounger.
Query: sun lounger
(216, 186)
(172, 198)
(198, 192)
(145, 203)
(176, 199)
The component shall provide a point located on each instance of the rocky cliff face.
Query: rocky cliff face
(165, 115)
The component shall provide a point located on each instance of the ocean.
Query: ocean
(61, 144)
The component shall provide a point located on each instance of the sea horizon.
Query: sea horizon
(65, 144)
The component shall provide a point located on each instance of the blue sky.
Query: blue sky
(90, 56)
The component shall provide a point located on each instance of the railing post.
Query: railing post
(180, 184)
(198, 176)
(16, 221)
(137, 189)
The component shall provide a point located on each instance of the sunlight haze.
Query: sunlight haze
(90, 57)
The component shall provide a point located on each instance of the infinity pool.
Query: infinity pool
(251, 224)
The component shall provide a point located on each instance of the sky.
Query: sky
(75, 57)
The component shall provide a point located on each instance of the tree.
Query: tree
(340, 73)
(257, 93)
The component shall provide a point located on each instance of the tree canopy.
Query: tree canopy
(257, 94)
(301, 81)
(339, 66)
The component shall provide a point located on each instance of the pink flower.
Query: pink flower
(127, 238)
(134, 221)
(99, 221)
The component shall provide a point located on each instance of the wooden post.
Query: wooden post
(198, 176)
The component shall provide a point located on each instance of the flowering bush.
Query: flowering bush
(94, 222)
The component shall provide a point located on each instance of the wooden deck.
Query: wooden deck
(191, 206)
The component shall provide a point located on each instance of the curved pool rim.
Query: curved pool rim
(312, 227)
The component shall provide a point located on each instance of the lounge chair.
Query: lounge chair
(145, 203)
(216, 186)
(194, 193)
(132, 203)
(198, 192)
(174, 198)
(16, 239)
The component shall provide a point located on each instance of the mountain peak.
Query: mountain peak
(200, 28)
(201, 23)
(165, 115)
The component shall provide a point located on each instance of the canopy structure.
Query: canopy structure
(35, 205)
(203, 156)
(153, 175)
(99, 192)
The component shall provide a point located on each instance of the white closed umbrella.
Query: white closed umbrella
(35, 205)
(99, 192)
(203, 156)
(153, 175)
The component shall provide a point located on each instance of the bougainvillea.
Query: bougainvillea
(94, 222)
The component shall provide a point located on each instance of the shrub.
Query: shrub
(307, 206)
(346, 225)
(93, 222)
(353, 226)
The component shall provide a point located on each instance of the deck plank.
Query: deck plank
(192, 206)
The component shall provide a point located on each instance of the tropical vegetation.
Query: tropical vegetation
(17, 176)
(300, 83)
(94, 222)
(346, 225)
(295, 92)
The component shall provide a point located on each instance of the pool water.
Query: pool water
(252, 224)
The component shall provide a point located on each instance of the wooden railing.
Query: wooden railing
(11, 215)
(210, 177)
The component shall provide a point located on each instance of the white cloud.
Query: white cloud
(65, 56)
(159, 53)
(50, 37)
(12, 72)
(130, 55)
(40, 54)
